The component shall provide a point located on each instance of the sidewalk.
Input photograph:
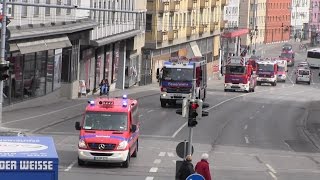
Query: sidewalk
(313, 123)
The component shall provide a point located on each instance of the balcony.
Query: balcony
(189, 31)
(160, 36)
(212, 27)
(223, 2)
(170, 35)
(222, 24)
(190, 4)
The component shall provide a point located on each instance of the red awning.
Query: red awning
(235, 33)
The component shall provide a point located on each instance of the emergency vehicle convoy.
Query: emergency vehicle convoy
(109, 131)
(239, 75)
(176, 79)
(267, 72)
(282, 70)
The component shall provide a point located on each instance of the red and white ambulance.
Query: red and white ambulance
(282, 70)
(109, 131)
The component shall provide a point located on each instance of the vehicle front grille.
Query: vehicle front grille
(101, 146)
(178, 90)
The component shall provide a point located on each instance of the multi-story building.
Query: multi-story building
(278, 20)
(182, 27)
(231, 14)
(314, 20)
(53, 48)
(252, 16)
(299, 17)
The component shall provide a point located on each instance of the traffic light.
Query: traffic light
(195, 112)
(4, 71)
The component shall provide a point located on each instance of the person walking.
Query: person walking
(202, 167)
(186, 169)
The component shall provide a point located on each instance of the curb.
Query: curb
(314, 139)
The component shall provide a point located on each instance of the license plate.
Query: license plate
(263, 79)
(100, 158)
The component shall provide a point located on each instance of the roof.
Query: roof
(110, 105)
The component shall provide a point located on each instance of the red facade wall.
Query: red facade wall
(277, 20)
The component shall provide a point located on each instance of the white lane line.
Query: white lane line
(258, 111)
(149, 178)
(153, 169)
(140, 115)
(157, 161)
(251, 117)
(150, 111)
(162, 154)
(227, 100)
(246, 139)
(44, 114)
(245, 127)
(170, 154)
(70, 166)
(273, 176)
(271, 169)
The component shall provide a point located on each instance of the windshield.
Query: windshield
(281, 68)
(265, 68)
(235, 69)
(287, 48)
(286, 55)
(177, 74)
(108, 121)
(304, 72)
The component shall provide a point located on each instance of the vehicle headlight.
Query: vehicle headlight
(164, 95)
(122, 145)
(82, 144)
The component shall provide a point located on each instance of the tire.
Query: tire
(163, 103)
(127, 162)
(204, 95)
(135, 153)
(81, 162)
(258, 83)
(253, 89)
(297, 82)
(225, 90)
(309, 82)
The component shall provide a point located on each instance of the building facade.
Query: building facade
(299, 18)
(53, 48)
(314, 20)
(181, 27)
(252, 17)
(231, 14)
(278, 21)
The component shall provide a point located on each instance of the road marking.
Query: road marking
(246, 139)
(245, 127)
(150, 111)
(140, 115)
(157, 161)
(262, 106)
(170, 154)
(149, 178)
(258, 111)
(153, 169)
(70, 166)
(271, 169)
(227, 100)
(251, 117)
(162, 154)
(273, 176)
(44, 114)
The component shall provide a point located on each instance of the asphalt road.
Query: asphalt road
(254, 136)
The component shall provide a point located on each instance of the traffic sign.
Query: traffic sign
(195, 177)
(181, 149)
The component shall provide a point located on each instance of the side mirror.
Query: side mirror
(133, 128)
(77, 126)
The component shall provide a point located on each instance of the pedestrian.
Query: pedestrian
(186, 169)
(202, 167)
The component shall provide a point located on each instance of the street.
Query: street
(259, 135)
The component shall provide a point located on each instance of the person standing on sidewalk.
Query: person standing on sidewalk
(186, 169)
(202, 167)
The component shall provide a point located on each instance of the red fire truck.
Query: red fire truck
(239, 75)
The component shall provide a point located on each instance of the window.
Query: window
(24, 9)
(47, 9)
(109, 121)
(68, 4)
(58, 10)
(149, 22)
(36, 9)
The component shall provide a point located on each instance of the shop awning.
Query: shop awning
(195, 49)
(115, 38)
(32, 46)
(26, 47)
(56, 43)
(235, 33)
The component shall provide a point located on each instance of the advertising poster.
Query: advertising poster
(57, 68)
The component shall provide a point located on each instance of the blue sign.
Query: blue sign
(195, 177)
(177, 84)
(28, 158)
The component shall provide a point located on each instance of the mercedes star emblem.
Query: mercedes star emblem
(102, 146)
